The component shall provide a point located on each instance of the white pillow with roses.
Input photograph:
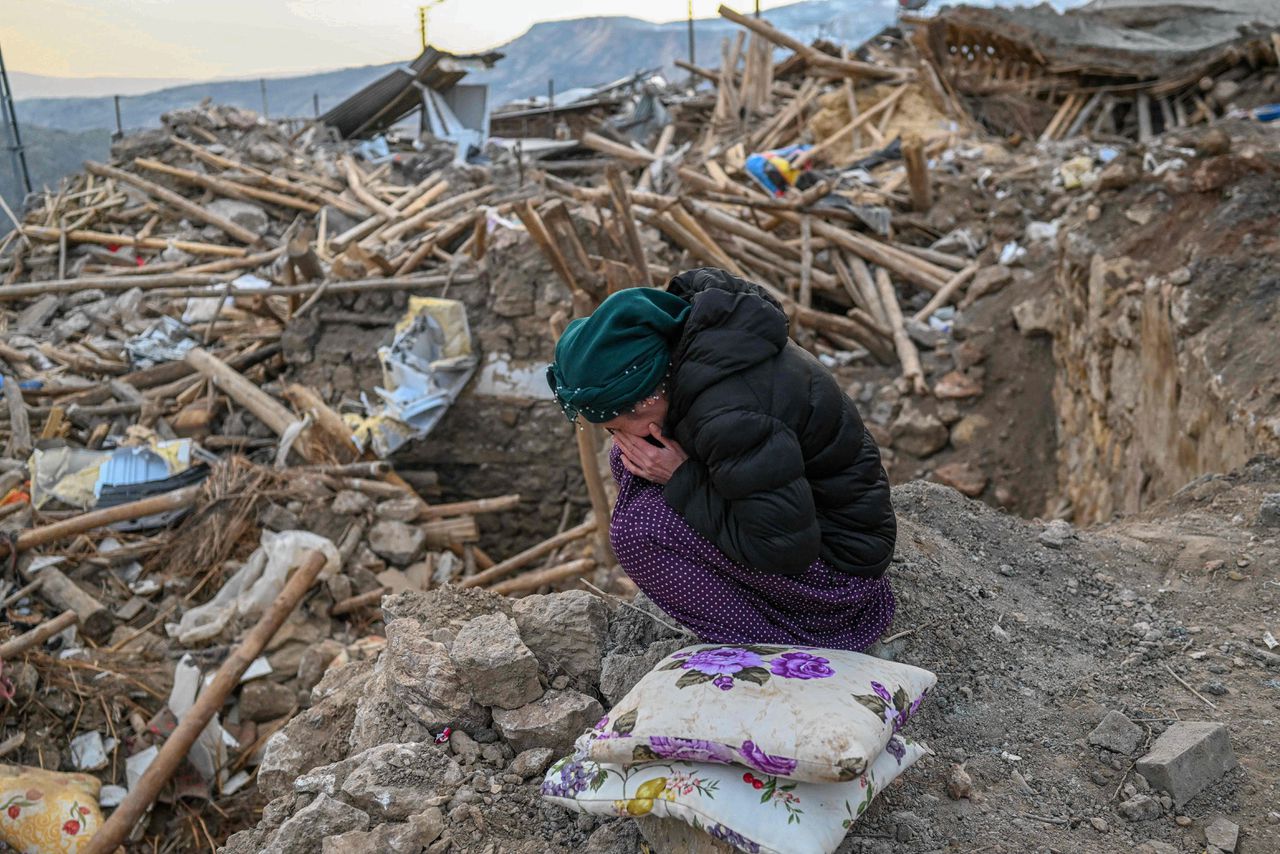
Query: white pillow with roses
(797, 713)
(756, 813)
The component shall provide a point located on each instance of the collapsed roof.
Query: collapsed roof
(390, 98)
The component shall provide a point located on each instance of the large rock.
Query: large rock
(1036, 315)
(394, 781)
(1187, 758)
(554, 721)
(566, 631)
(1116, 733)
(317, 736)
(309, 826)
(262, 700)
(495, 664)
(397, 542)
(965, 478)
(1139, 808)
(447, 607)
(621, 671)
(965, 431)
(917, 432)
(410, 837)
(415, 692)
(244, 214)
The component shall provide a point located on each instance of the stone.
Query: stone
(554, 721)
(348, 502)
(495, 663)
(1037, 315)
(464, 747)
(404, 509)
(959, 783)
(619, 672)
(1116, 733)
(1099, 824)
(955, 385)
(614, 837)
(1139, 808)
(244, 214)
(1214, 142)
(1056, 534)
(396, 581)
(261, 700)
(1153, 846)
(1222, 835)
(532, 763)
(1269, 510)
(965, 431)
(316, 736)
(409, 837)
(566, 631)
(1187, 758)
(315, 661)
(397, 542)
(917, 432)
(415, 691)
(305, 831)
(445, 607)
(965, 478)
(392, 781)
(1118, 174)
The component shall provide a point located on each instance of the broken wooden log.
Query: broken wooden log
(531, 581)
(169, 197)
(14, 647)
(507, 567)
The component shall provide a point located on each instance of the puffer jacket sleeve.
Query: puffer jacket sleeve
(744, 489)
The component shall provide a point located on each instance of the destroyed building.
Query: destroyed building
(1039, 261)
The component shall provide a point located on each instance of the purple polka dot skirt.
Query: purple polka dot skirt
(722, 601)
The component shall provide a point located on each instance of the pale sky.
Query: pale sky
(203, 39)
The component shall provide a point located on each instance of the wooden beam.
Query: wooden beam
(169, 197)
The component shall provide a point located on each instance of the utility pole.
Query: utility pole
(315, 103)
(119, 124)
(692, 59)
(757, 8)
(262, 84)
(13, 136)
(422, 20)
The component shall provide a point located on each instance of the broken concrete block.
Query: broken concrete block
(397, 542)
(445, 607)
(554, 721)
(566, 632)
(1222, 835)
(532, 763)
(620, 671)
(492, 660)
(1140, 808)
(414, 693)
(392, 781)
(1187, 758)
(265, 701)
(404, 509)
(1056, 534)
(309, 826)
(348, 502)
(965, 478)
(1116, 733)
(917, 432)
(244, 214)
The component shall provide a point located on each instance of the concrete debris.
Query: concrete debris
(1116, 733)
(1139, 808)
(495, 664)
(554, 720)
(1187, 758)
(1222, 836)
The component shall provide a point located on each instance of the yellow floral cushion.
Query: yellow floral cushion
(47, 812)
(798, 713)
(757, 813)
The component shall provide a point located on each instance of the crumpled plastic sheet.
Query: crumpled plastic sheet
(254, 585)
(168, 340)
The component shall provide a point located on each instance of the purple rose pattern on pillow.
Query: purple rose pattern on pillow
(895, 709)
(726, 666)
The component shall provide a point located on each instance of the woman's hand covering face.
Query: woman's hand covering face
(655, 463)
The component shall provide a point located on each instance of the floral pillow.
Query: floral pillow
(817, 715)
(755, 812)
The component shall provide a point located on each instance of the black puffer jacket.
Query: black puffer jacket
(781, 470)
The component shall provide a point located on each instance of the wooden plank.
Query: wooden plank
(188, 207)
(622, 204)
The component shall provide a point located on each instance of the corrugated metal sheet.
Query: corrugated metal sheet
(390, 98)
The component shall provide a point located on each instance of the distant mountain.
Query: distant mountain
(27, 85)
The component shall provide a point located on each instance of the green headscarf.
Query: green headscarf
(608, 361)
